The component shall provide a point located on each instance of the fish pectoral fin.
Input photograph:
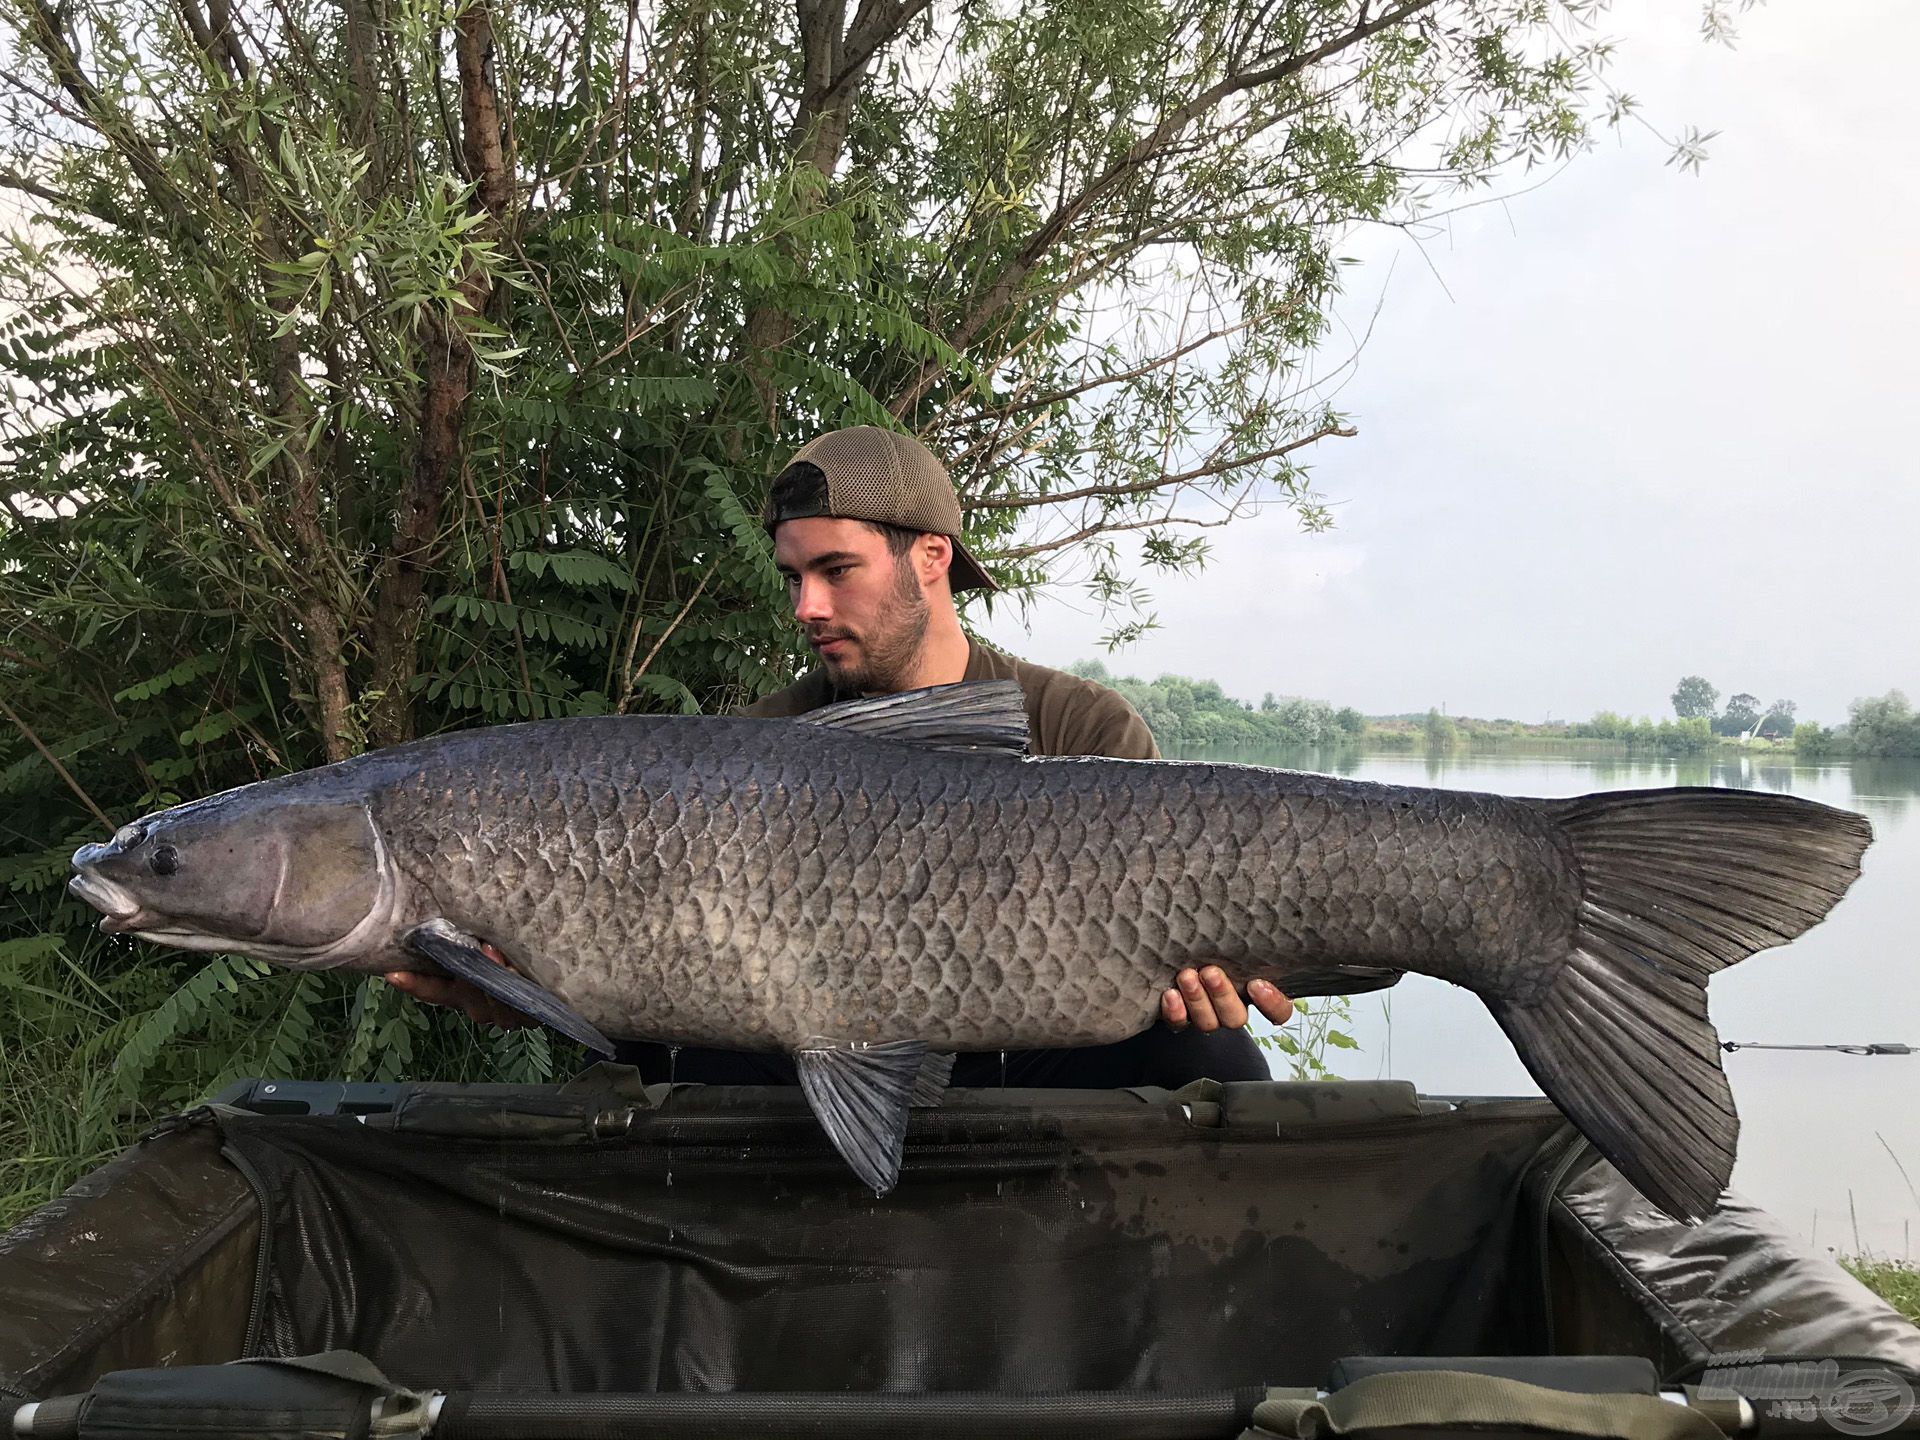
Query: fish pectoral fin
(860, 1095)
(460, 955)
(1302, 983)
(968, 717)
(930, 1085)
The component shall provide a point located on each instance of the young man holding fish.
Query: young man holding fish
(866, 531)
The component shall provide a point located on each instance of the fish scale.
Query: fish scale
(645, 917)
(879, 884)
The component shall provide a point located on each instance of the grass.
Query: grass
(1894, 1281)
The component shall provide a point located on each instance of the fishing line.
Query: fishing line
(1887, 1047)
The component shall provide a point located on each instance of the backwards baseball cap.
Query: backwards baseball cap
(874, 474)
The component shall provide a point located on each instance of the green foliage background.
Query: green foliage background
(381, 367)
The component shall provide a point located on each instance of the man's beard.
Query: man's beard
(889, 651)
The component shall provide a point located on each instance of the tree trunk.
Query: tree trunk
(834, 61)
(446, 366)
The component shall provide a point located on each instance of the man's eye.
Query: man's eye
(834, 572)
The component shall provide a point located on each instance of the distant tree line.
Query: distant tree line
(1180, 711)
(1184, 711)
(1877, 725)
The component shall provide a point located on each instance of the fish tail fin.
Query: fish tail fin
(1676, 886)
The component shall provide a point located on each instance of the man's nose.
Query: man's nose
(810, 605)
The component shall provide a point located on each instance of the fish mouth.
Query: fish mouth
(119, 911)
(122, 914)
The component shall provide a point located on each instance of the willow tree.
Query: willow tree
(382, 366)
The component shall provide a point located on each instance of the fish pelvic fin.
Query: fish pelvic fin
(967, 718)
(1675, 886)
(459, 954)
(930, 1085)
(860, 1094)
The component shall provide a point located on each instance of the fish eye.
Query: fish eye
(165, 860)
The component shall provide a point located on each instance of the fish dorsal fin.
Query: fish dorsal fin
(860, 1095)
(972, 716)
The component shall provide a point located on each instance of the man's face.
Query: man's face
(862, 611)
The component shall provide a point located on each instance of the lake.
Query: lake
(1823, 1136)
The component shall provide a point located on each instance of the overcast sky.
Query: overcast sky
(1631, 425)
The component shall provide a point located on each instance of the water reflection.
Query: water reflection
(1892, 783)
(1882, 784)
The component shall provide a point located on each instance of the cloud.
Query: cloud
(1640, 424)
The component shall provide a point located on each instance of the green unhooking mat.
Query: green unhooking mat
(602, 1238)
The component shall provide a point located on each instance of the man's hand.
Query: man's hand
(469, 999)
(1206, 1000)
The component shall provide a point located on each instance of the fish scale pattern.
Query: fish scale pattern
(750, 885)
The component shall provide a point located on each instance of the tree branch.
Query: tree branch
(878, 23)
(363, 90)
(1163, 482)
(1120, 377)
(633, 676)
(1026, 552)
(1000, 294)
(45, 31)
(13, 180)
(54, 761)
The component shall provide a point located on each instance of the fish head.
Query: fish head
(309, 885)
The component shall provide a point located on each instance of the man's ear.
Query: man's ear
(933, 556)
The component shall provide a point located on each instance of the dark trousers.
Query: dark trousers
(1156, 1056)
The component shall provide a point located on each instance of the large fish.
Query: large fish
(876, 885)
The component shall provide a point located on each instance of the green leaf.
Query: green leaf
(191, 668)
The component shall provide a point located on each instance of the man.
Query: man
(866, 529)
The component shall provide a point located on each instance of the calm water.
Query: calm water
(1820, 1132)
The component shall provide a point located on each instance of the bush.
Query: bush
(1884, 725)
(1811, 739)
(1605, 726)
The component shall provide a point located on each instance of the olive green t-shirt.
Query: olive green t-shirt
(1065, 714)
